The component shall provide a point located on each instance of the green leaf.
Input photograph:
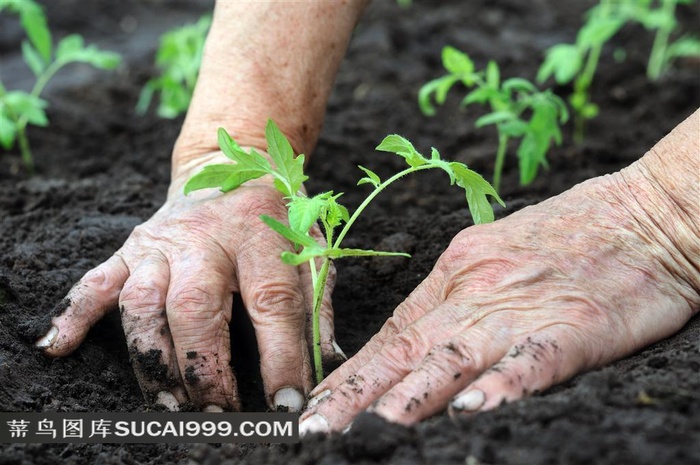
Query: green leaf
(288, 167)
(35, 62)
(493, 75)
(519, 85)
(496, 117)
(293, 236)
(456, 62)
(8, 132)
(304, 212)
(440, 87)
(401, 146)
(564, 61)
(210, 176)
(513, 128)
(599, 31)
(68, 47)
(371, 177)
(27, 106)
(683, 47)
(333, 212)
(34, 23)
(296, 259)
(479, 95)
(339, 253)
(476, 189)
(72, 49)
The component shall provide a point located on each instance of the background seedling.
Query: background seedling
(304, 212)
(511, 102)
(179, 58)
(19, 108)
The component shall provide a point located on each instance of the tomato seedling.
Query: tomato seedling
(179, 58)
(19, 108)
(510, 101)
(303, 211)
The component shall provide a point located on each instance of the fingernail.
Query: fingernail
(168, 400)
(316, 423)
(48, 339)
(339, 351)
(289, 398)
(213, 408)
(318, 398)
(469, 401)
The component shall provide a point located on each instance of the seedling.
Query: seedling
(663, 20)
(304, 212)
(510, 102)
(19, 108)
(179, 58)
(578, 62)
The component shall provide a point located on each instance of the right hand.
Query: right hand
(173, 281)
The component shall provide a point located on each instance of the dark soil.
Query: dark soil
(102, 170)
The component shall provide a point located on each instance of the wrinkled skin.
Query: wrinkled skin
(173, 281)
(514, 307)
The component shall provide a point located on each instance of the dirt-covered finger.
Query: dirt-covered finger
(96, 294)
(145, 324)
(423, 299)
(272, 293)
(530, 366)
(198, 307)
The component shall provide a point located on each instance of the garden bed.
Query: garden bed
(102, 170)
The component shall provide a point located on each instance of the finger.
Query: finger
(399, 356)
(96, 294)
(445, 371)
(198, 306)
(424, 298)
(531, 365)
(145, 323)
(272, 294)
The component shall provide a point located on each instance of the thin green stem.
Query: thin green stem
(371, 197)
(25, 150)
(500, 158)
(319, 290)
(658, 51)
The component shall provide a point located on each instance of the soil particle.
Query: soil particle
(151, 364)
(191, 355)
(190, 375)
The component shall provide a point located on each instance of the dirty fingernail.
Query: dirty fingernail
(469, 401)
(48, 339)
(213, 408)
(289, 398)
(168, 400)
(339, 351)
(316, 423)
(317, 398)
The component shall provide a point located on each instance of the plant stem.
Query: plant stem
(658, 51)
(25, 150)
(319, 290)
(500, 158)
(371, 197)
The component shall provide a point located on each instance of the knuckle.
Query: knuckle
(261, 202)
(276, 298)
(406, 349)
(147, 294)
(192, 299)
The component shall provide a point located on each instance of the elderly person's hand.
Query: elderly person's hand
(174, 278)
(514, 307)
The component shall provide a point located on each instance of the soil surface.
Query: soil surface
(102, 170)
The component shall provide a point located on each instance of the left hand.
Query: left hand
(516, 306)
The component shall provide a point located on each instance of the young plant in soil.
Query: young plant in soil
(179, 58)
(19, 108)
(510, 101)
(304, 211)
(662, 19)
(578, 62)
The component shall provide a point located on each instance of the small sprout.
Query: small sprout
(19, 108)
(510, 101)
(304, 212)
(179, 58)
